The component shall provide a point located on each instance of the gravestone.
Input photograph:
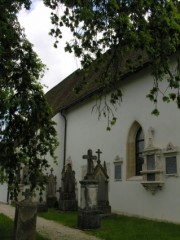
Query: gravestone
(41, 205)
(88, 217)
(67, 198)
(25, 219)
(100, 174)
(51, 198)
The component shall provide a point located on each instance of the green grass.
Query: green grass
(6, 229)
(119, 227)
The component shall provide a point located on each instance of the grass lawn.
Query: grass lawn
(6, 229)
(119, 227)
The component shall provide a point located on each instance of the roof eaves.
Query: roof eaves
(100, 89)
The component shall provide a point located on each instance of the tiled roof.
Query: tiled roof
(63, 95)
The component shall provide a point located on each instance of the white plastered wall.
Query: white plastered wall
(86, 131)
(3, 193)
(59, 153)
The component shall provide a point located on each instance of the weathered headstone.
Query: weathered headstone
(100, 174)
(67, 200)
(88, 217)
(41, 205)
(25, 219)
(51, 190)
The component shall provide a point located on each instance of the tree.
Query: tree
(120, 27)
(27, 133)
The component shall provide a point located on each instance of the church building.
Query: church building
(141, 150)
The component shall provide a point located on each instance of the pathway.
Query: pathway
(51, 229)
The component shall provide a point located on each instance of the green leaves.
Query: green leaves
(124, 27)
(27, 132)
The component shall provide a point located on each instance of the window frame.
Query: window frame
(131, 152)
(138, 141)
(118, 163)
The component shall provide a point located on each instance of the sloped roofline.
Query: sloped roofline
(63, 95)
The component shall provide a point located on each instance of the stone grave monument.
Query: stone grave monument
(100, 174)
(25, 219)
(88, 217)
(41, 204)
(67, 199)
(51, 198)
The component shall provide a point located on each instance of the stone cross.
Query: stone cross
(90, 159)
(27, 194)
(98, 158)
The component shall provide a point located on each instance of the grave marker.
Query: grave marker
(88, 217)
(25, 218)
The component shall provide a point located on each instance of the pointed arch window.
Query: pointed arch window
(139, 147)
(135, 147)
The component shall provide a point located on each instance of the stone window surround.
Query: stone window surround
(118, 162)
(171, 151)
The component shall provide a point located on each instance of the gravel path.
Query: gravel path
(51, 229)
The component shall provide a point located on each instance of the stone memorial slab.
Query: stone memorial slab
(67, 199)
(41, 204)
(51, 190)
(100, 174)
(25, 219)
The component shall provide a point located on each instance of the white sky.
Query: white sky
(37, 25)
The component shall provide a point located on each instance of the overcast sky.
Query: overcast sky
(37, 25)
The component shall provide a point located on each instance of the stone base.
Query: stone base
(51, 201)
(25, 221)
(68, 205)
(104, 207)
(88, 219)
(42, 207)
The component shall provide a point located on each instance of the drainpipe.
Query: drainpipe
(65, 136)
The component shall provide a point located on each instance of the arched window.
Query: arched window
(135, 146)
(139, 146)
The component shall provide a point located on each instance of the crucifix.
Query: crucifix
(90, 159)
(98, 154)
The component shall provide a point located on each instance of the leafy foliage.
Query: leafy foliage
(123, 26)
(27, 132)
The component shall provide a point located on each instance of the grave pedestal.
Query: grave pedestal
(88, 219)
(67, 202)
(104, 207)
(25, 221)
(51, 201)
(42, 207)
(67, 198)
(88, 216)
